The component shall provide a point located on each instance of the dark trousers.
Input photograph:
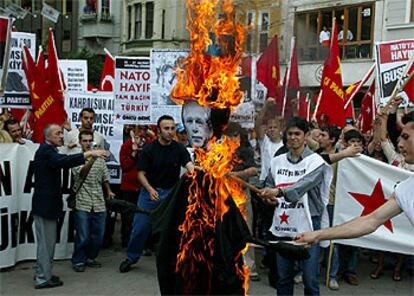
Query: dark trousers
(127, 217)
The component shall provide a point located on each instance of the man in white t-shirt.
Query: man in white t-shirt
(87, 118)
(402, 200)
(269, 137)
(324, 37)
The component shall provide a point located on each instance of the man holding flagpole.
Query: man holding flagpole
(402, 200)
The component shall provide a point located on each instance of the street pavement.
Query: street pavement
(141, 280)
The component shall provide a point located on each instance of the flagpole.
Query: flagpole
(292, 44)
(364, 79)
(298, 100)
(307, 107)
(317, 106)
(108, 53)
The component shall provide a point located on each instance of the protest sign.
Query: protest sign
(75, 74)
(132, 90)
(17, 93)
(164, 63)
(391, 59)
(103, 104)
(5, 32)
(364, 184)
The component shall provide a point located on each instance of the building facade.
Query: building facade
(363, 23)
(100, 25)
(153, 24)
(65, 29)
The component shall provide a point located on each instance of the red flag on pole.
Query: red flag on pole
(409, 87)
(331, 102)
(108, 73)
(304, 107)
(292, 85)
(268, 68)
(368, 109)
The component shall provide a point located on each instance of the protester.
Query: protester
(4, 135)
(130, 186)
(324, 37)
(90, 210)
(301, 178)
(268, 132)
(158, 170)
(400, 201)
(87, 118)
(12, 126)
(47, 204)
(182, 135)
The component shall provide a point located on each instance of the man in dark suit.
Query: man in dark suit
(47, 204)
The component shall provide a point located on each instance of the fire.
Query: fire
(208, 196)
(210, 78)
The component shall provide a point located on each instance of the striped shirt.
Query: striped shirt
(90, 196)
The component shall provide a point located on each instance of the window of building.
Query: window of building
(105, 8)
(250, 22)
(129, 22)
(90, 6)
(149, 20)
(412, 11)
(355, 32)
(163, 24)
(264, 30)
(138, 20)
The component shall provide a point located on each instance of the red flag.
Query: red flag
(46, 97)
(368, 109)
(246, 67)
(304, 107)
(331, 105)
(108, 73)
(291, 83)
(409, 88)
(268, 68)
(53, 72)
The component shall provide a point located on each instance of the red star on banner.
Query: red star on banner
(372, 202)
(284, 218)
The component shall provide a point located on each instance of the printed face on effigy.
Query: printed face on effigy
(196, 120)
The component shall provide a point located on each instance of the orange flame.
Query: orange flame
(210, 79)
(205, 208)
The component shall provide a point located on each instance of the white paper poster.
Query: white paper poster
(75, 74)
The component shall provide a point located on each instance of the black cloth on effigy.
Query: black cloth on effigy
(231, 235)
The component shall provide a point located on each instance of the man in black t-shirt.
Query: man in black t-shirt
(159, 169)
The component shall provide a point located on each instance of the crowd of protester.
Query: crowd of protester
(143, 184)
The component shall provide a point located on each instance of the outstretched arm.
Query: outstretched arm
(356, 227)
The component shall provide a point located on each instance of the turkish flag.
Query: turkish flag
(108, 73)
(331, 105)
(409, 88)
(268, 68)
(368, 109)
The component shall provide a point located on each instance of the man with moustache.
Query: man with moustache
(47, 204)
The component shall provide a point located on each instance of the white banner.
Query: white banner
(17, 93)
(363, 184)
(163, 78)
(132, 90)
(75, 74)
(391, 58)
(103, 104)
(16, 223)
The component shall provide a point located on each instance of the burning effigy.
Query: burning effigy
(201, 226)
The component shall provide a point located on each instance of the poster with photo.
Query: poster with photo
(163, 78)
(132, 90)
(17, 93)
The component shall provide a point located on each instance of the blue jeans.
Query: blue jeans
(348, 258)
(311, 270)
(141, 226)
(90, 229)
(335, 255)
